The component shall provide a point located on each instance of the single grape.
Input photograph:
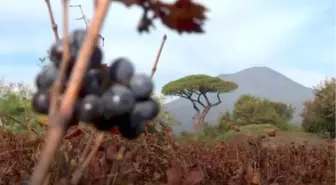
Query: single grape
(96, 58)
(118, 100)
(132, 127)
(92, 83)
(56, 53)
(147, 109)
(121, 70)
(91, 108)
(77, 38)
(46, 78)
(41, 101)
(142, 86)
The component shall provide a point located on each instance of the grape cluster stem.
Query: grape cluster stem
(52, 20)
(60, 118)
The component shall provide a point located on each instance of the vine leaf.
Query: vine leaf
(183, 16)
(132, 2)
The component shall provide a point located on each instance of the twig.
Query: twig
(83, 59)
(77, 78)
(153, 72)
(86, 20)
(42, 59)
(57, 86)
(113, 173)
(54, 133)
(86, 150)
(158, 55)
(52, 20)
(77, 175)
(54, 137)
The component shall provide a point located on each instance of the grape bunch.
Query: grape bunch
(124, 102)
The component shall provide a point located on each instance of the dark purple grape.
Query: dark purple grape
(118, 100)
(77, 38)
(41, 101)
(147, 109)
(92, 83)
(96, 58)
(132, 127)
(91, 108)
(121, 70)
(56, 52)
(142, 86)
(46, 78)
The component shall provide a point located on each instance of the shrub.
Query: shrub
(15, 106)
(253, 110)
(319, 114)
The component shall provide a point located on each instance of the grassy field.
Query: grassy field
(294, 135)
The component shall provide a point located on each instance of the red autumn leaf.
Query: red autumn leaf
(133, 2)
(183, 15)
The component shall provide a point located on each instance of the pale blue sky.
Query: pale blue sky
(294, 37)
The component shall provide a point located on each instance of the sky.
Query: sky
(295, 38)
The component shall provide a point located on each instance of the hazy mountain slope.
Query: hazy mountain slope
(258, 81)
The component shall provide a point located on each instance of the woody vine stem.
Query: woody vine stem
(60, 114)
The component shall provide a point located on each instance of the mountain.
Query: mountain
(257, 81)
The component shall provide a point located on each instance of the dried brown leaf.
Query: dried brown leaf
(73, 131)
(194, 177)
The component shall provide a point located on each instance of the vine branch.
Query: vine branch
(52, 20)
(60, 120)
(158, 56)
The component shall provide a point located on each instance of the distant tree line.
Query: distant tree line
(318, 115)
